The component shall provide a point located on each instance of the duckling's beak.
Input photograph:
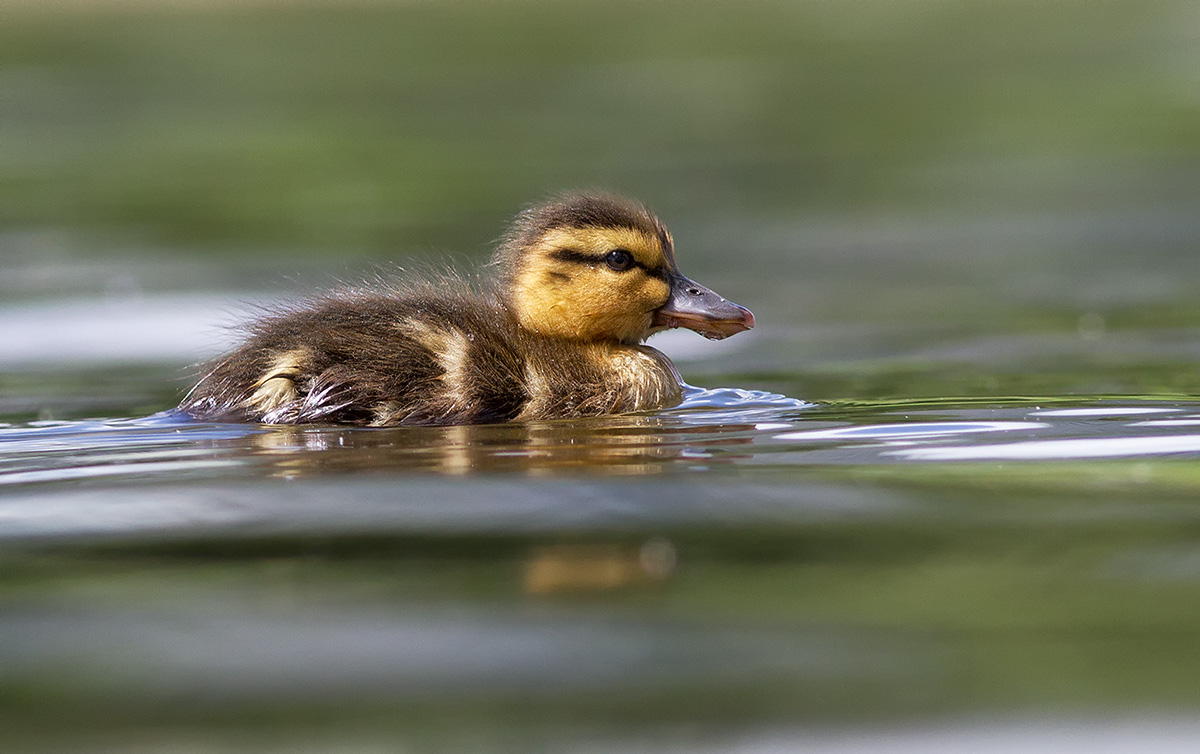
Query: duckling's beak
(695, 307)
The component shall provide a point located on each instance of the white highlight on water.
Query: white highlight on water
(1035, 450)
(156, 328)
(904, 431)
(1105, 411)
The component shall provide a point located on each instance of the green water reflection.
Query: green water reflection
(336, 588)
(810, 597)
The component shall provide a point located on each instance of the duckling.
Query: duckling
(579, 283)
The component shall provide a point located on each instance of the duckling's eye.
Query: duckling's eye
(619, 259)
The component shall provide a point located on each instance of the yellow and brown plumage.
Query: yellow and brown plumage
(580, 282)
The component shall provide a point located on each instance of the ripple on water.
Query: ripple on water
(1045, 450)
(712, 429)
(909, 431)
(320, 587)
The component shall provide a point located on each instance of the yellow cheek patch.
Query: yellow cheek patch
(564, 288)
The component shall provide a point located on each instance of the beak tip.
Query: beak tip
(697, 308)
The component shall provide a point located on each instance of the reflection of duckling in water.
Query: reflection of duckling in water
(582, 282)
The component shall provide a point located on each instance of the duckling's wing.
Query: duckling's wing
(371, 359)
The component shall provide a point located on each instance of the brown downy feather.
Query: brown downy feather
(364, 357)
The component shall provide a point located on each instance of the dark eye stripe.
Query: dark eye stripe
(657, 272)
(575, 257)
(578, 257)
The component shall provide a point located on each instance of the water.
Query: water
(747, 571)
(712, 430)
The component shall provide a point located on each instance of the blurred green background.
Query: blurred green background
(782, 140)
(916, 198)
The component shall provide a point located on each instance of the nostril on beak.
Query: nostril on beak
(694, 291)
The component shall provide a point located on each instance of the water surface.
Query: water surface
(734, 567)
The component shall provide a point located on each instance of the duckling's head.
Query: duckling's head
(596, 267)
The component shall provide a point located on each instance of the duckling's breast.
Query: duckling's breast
(564, 380)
